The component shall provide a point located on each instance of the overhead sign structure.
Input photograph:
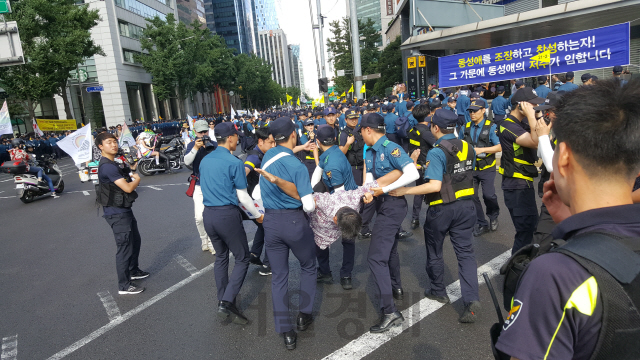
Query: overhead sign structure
(584, 50)
(368, 77)
(5, 7)
(95, 89)
(10, 45)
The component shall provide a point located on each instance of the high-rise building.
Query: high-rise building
(294, 58)
(369, 9)
(265, 15)
(273, 48)
(234, 21)
(189, 11)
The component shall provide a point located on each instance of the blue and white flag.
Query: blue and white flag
(5, 120)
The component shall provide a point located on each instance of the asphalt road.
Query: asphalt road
(59, 289)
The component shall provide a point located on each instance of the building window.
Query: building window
(129, 56)
(130, 30)
(141, 9)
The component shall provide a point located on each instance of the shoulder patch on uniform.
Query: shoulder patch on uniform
(385, 143)
(513, 314)
(328, 174)
(396, 153)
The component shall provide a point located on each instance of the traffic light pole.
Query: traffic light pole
(322, 64)
(355, 46)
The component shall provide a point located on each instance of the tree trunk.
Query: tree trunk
(65, 100)
(31, 106)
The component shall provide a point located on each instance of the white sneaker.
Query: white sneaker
(212, 250)
(205, 248)
(54, 195)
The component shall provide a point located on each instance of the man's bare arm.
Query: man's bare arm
(287, 187)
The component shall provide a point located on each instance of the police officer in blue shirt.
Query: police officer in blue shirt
(482, 135)
(390, 123)
(451, 104)
(543, 90)
(342, 123)
(500, 106)
(408, 113)
(334, 171)
(568, 84)
(451, 211)
(401, 107)
(382, 157)
(287, 228)
(331, 119)
(319, 119)
(224, 185)
(461, 106)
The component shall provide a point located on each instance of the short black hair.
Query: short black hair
(104, 136)
(601, 125)
(262, 132)
(349, 222)
(280, 142)
(420, 112)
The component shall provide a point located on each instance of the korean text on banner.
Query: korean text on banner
(584, 50)
(57, 125)
(79, 144)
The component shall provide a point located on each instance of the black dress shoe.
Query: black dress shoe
(346, 283)
(480, 230)
(494, 224)
(415, 224)
(365, 235)
(303, 321)
(226, 309)
(441, 299)
(255, 259)
(387, 321)
(398, 294)
(290, 338)
(324, 278)
(404, 234)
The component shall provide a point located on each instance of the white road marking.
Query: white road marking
(6, 180)
(368, 342)
(110, 305)
(9, 348)
(86, 193)
(7, 197)
(154, 188)
(186, 264)
(101, 331)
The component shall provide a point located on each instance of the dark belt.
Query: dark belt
(282, 211)
(224, 207)
(387, 197)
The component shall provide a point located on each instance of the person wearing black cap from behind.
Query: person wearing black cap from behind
(420, 138)
(224, 185)
(390, 123)
(519, 140)
(286, 228)
(568, 85)
(499, 106)
(461, 106)
(543, 90)
(587, 79)
(449, 188)
(482, 134)
(617, 72)
(382, 157)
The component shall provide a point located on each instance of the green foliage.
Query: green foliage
(389, 67)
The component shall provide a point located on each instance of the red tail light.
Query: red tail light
(94, 171)
(17, 178)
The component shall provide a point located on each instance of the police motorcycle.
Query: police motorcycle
(171, 149)
(28, 188)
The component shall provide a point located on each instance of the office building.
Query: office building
(273, 48)
(265, 15)
(369, 9)
(296, 66)
(234, 21)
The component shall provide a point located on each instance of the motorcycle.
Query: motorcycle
(173, 150)
(28, 187)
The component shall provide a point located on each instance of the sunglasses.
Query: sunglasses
(202, 132)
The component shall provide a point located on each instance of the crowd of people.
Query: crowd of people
(311, 177)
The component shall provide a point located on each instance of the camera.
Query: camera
(208, 145)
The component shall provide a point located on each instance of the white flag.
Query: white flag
(5, 120)
(126, 138)
(78, 145)
(36, 128)
(255, 113)
(191, 122)
(233, 113)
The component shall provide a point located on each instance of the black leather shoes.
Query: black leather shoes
(387, 321)
(404, 234)
(494, 224)
(365, 235)
(441, 299)
(480, 230)
(303, 321)
(226, 309)
(290, 338)
(415, 224)
(346, 283)
(398, 294)
(255, 259)
(324, 278)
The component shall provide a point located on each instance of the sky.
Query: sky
(293, 16)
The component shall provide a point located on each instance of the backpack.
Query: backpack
(402, 127)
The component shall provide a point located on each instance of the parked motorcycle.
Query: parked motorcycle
(172, 147)
(28, 187)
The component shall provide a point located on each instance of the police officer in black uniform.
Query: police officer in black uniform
(449, 190)
(352, 145)
(420, 138)
(308, 158)
(116, 193)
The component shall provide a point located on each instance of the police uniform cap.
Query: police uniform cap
(519, 83)
(435, 104)
(445, 119)
(225, 129)
(308, 122)
(325, 134)
(526, 94)
(474, 95)
(500, 88)
(201, 126)
(451, 99)
(542, 79)
(281, 128)
(464, 88)
(329, 110)
(372, 120)
(351, 114)
(585, 77)
(551, 101)
(432, 92)
(410, 104)
(479, 88)
(393, 97)
(570, 75)
(617, 69)
(478, 103)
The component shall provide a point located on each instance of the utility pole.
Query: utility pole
(355, 46)
(319, 26)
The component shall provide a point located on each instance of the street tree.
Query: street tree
(389, 67)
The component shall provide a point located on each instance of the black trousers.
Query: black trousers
(258, 243)
(348, 258)
(127, 236)
(542, 235)
(486, 179)
(524, 214)
(417, 202)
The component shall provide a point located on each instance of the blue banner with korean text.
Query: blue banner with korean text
(584, 50)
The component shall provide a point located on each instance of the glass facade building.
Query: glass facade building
(234, 21)
(266, 17)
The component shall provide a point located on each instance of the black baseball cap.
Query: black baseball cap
(308, 122)
(585, 77)
(325, 134)
(500, 88)
(570, 75)
(478, 103)
(617, 69)
(352, 113)
(445, 119)
(551, 101)
(281, 128)
(519, 83)
(435, 104)
(474, 95)
(374, 121)
(526, 94)
(225, 129)
(542, 79)
(451, 99)
(409, 104)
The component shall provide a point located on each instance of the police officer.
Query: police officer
(319, 119)
(287, 228)
(253, 162)
(308, 157)
(116, 192)
(462, 104)
(499, 106)
(617, 73)
(331, 118)
(451, 210)
(482, 134)
(390, 123)
(334, 171)
(519, 140)
(224, 185)
(543, 90)
(382, 157)
(451, 104)
(352, 145)
(564, 303)
(568, 84)
(420, 138)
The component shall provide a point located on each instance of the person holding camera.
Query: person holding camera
(196, 151)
